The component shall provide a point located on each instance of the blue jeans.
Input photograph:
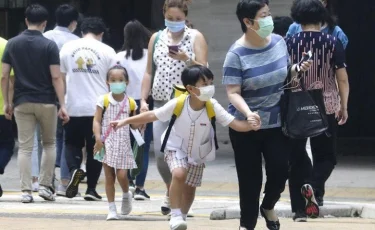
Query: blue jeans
(141, 178)
(6, 143)
(60, 152)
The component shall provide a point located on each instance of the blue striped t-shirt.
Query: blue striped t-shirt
(261, 73)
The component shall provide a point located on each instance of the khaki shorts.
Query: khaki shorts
(194, 172)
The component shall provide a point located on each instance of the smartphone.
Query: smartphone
(173, 48)
(306, 57)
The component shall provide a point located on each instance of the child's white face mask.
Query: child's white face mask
(206, 93)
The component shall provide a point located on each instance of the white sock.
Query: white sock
(176, 212)
(125, 195)
(112, 205)
(184, 216)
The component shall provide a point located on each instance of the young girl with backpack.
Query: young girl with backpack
(112, 148)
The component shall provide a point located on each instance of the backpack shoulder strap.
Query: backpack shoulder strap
(180, 104)
(210, 110)
(153, 70)
(132, 105)
(106, 101)
(211, 115)
(176, 113)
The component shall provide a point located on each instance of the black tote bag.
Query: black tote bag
(303, 112)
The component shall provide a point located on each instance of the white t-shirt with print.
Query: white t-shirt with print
(85, 62)
(200, 134)
(136, 70)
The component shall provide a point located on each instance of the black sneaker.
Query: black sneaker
(1, 191)
(300, 216)
(92, 195)
(72, 189)
(311, 208)
(141, 195)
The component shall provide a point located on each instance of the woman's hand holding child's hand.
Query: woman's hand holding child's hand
(254, 120)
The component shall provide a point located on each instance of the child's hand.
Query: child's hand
(118, 124)
(254, 121)
(98, 146)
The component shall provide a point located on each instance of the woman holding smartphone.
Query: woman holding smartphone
(328, 67)
(169, 51)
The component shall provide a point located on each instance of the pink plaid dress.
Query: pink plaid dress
(118, 150)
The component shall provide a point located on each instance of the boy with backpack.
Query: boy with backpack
(190, 139)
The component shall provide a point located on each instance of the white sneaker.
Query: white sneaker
(35, 186)
(177, 223)
(46, 193)
(126, 205)
(190, 213)
(112, 214)
(61, 190)
(165, 206)
(27, 198)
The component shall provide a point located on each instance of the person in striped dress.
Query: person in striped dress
(118, 157)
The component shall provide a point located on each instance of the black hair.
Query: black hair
(36, 14)
(136, 38)
(191, 75)
(93, 25)
(307, 12)
(66, 14)
(249, 9)
(331, 18)
(118, 67)
(281, 25)
(78, 31)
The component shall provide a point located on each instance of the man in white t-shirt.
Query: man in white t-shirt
(85, 62)
(66, 20)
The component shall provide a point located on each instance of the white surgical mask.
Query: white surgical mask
(206, 93)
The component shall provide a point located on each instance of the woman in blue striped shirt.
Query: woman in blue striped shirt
(255, 69)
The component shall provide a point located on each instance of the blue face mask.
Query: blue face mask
(117, 87)
(175, 27)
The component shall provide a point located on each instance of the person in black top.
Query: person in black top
(36, 64)
(328, 72)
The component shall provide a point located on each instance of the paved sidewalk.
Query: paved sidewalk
(196, 224)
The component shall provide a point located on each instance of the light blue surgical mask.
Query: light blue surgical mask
(175, 27)
(117, 87)
(265, 26)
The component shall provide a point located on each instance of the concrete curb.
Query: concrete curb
(336, 210)
(368, 212)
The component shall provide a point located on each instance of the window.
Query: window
(13, 3)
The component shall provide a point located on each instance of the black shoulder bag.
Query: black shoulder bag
(303, 113)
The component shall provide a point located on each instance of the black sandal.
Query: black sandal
(271, 225)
